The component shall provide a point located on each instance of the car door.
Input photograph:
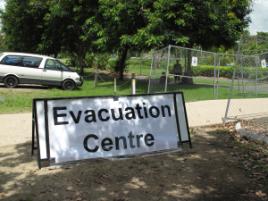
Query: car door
(52, 73)
(31, 72)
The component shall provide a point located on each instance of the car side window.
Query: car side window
(32, 62)
(52, 65)
(13, 60)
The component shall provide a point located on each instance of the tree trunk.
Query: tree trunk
(81, 63)
(80, 55)
(81, 72)
(188, 69)
(121, 62)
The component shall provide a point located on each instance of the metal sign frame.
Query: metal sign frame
(50, 161)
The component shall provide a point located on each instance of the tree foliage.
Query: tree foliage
(66, 28)
(23, 25)
(49, 27)
(254, 44)
(80, 26)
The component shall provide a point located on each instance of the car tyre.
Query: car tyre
(11, 81)
(68, 85)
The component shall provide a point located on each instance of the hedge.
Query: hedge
(208, 71)
(227, 72)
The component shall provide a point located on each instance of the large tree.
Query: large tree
(66, 28)
(22, 23)
(117, 24)
(146, 24)
(208, 23)
(78, 26)
(49, 27)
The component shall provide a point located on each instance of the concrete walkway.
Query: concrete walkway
(16, 128)
(202, 113)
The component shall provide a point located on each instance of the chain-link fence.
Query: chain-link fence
(217, 75)
(223, 75)
(250, 80)
(176, 67)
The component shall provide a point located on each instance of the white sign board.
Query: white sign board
(71, 129)
(194, 61)
(263, 63)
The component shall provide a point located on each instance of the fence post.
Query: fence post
(96, 75)
(218, 76)
(214, 73)
(257, 62)
(230, 96)
(150, 75)
(167, 69)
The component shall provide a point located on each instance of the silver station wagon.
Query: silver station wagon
(23, 68)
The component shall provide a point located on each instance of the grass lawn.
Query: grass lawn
(20, 99)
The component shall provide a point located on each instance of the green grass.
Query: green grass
(20, 99)
(139, 68)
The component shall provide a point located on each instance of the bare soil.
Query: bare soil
(258, 126)
(254, 129)
(218, 167)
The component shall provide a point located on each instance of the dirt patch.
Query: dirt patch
(259, 125)
(213, 170)
(255, 129)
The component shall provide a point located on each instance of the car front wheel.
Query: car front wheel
(11, 81)
(68, 85)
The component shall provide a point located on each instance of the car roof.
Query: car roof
(26, 54)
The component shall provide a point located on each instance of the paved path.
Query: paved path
(211, 112)
(16, 128)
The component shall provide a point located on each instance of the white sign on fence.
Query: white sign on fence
(194, 61)
(263, 63)
(71, 129)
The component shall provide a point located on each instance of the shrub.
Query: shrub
(100, 61)
(89, 59)
(208, 71)
(112, 63)
(227, 72)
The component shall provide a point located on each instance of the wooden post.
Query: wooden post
(96, 77)
(115, 83)
(133, 84)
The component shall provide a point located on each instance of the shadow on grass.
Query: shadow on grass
(206, 172)
(26, 86)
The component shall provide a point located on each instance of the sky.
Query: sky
(259, 16)
(1, 3)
